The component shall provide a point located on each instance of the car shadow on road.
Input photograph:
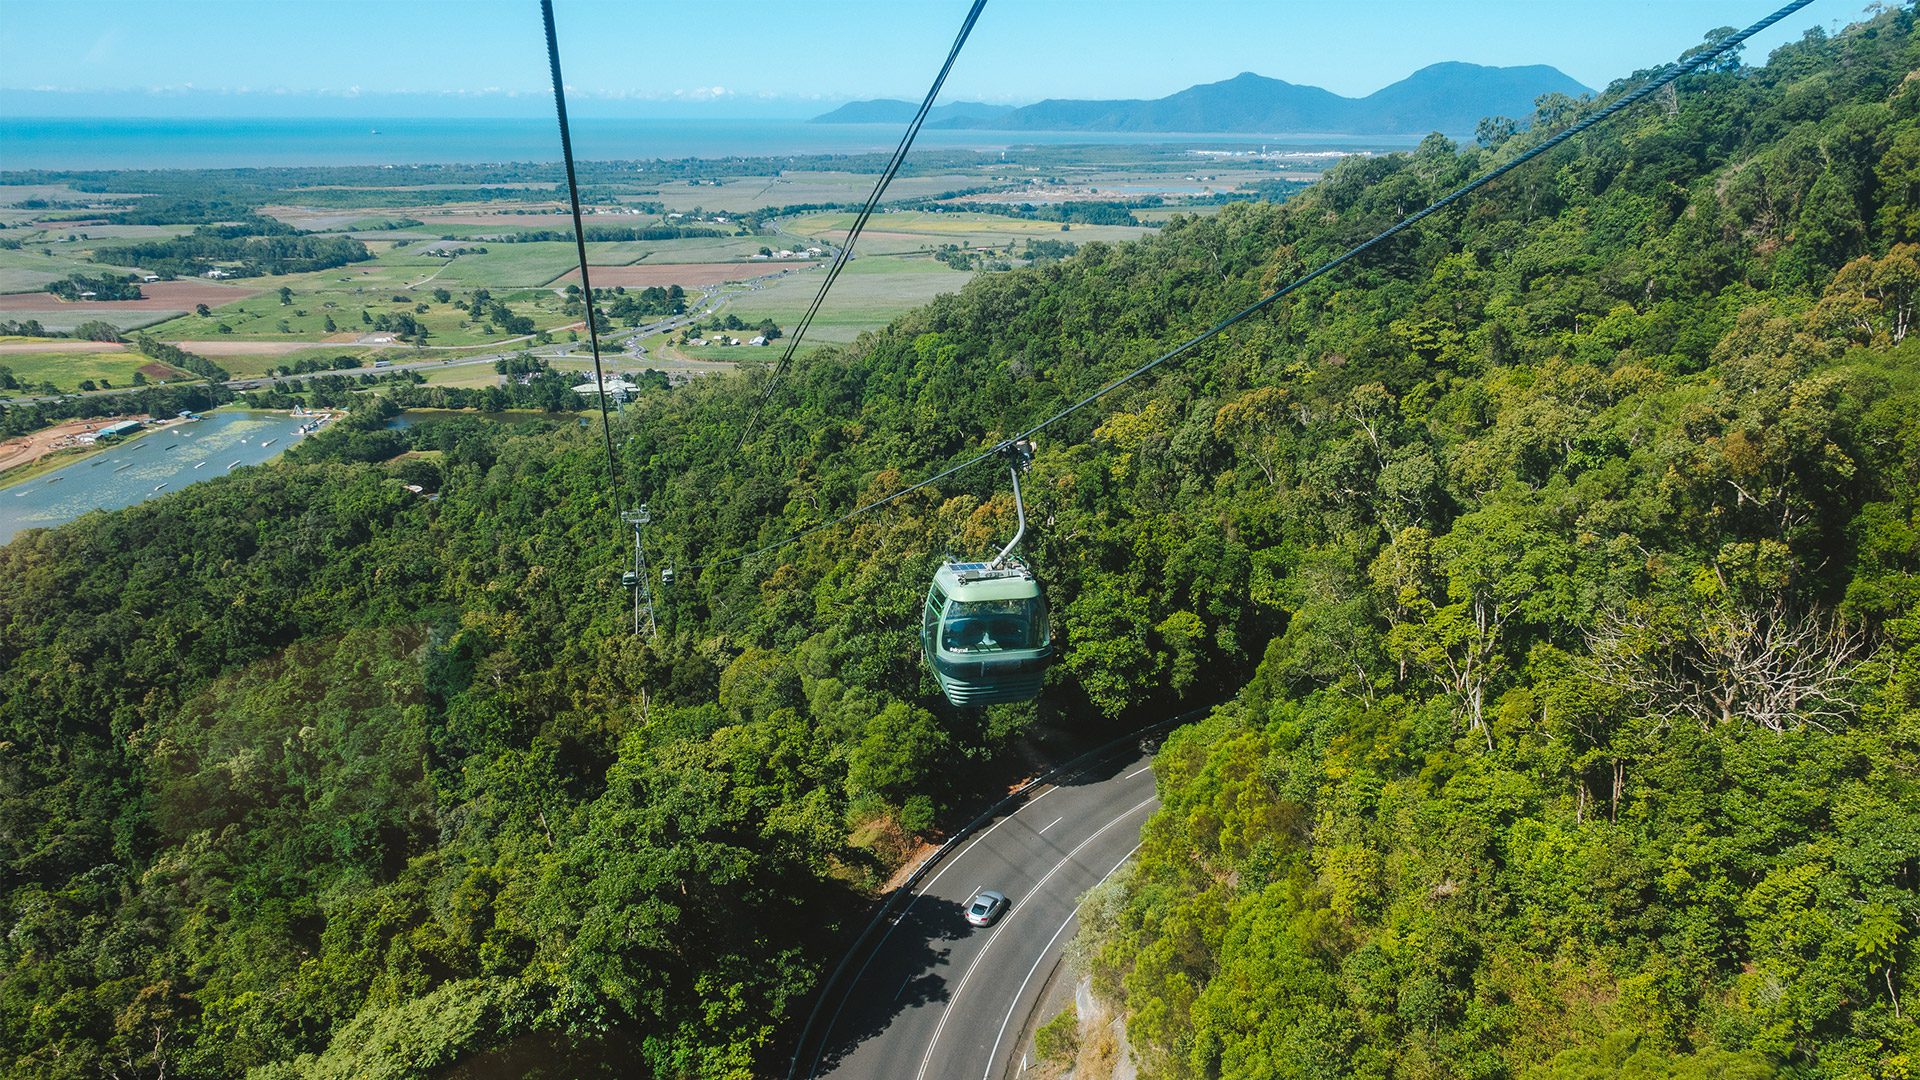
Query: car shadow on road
(911, 968)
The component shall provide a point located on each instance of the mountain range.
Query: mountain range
(1450, 97)
(890, 111)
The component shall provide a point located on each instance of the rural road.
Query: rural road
(937, 998)
(702, 306)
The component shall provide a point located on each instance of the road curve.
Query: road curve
(936, 999)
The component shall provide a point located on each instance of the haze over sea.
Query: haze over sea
(218, 143)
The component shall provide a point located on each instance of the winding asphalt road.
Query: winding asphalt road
(937, 998)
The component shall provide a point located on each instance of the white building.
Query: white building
(615, 387)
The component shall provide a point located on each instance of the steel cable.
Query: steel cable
(580, 242)
(845, 253)
(1625, 101)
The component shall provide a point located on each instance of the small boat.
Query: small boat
(268, 443)
(173, 446)
(198, 464)
(19, 494)
(230, 468)
(157, 487)
(55, 479)
(125, 467)
(96, 464)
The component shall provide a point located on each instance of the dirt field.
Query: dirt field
(685, 275)
(527, 221)
(24, 449)
(160, 296)
(61, 346)
(230, 347)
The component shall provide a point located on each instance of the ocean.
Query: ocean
(224, 143)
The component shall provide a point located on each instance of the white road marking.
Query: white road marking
(1017, 994)
(834, 1021)
(1137, 772)
(969, 847)
(1052, 823)
(946, 1013)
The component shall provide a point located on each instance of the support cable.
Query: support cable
(845, 253)
(1671, 73)
(580, 243)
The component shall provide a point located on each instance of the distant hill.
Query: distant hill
(1449, 97)
(889, 111)
(1452, 97)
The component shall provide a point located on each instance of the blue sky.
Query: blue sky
(791, 57)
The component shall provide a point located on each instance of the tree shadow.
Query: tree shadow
(1115, 761)
(908, 968)
(909, 964)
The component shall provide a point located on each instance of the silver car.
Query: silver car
(987, 906)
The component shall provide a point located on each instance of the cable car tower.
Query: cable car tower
(985, 630)
(636, 579)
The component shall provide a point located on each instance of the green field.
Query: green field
(472, 376)
(919, 230)
(869, 294)
(514, 265)
(27, 270)
(66, 370)
(241, 366)
(322, 296)
(794, 188)
(895, 274)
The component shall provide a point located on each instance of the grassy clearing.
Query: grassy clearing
(56, 318)
(29, 270)
(66, 370)
(471, 376)
(246, 365)
(741, 193)
(869, 294)
(511, 266)
(264, 318)
(917, 229)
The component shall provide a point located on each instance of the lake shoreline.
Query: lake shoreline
(166, 458)
(63, 456)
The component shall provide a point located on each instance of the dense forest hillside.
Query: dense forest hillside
(1558, 572)
(1591, 743)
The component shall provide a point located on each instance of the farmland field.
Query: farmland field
(251, 358)
(354, 311)
(339, 311)
(736, 194)
(66, 370)
(914, 230)
(686, 275)
(28, 271)
(870, 293)
(159, 296)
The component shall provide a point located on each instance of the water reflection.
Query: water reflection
(145, 467)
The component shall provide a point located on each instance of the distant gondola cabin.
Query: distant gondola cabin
(986, 634)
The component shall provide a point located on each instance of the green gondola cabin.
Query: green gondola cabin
(986, 634)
